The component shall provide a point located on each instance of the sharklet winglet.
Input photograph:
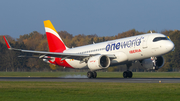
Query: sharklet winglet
(7, 43)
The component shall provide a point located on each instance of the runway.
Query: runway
(120, 80)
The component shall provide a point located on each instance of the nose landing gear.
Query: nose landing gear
(154, 60)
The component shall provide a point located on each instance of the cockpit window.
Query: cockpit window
(160, 38)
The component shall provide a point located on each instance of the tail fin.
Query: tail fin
(54, 40)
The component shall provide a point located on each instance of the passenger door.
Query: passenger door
(144, 42)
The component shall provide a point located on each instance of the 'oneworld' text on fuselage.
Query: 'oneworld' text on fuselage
(125, 44)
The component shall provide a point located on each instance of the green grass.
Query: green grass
(100, 74)
(88, 91)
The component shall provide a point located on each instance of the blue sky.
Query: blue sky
(101, 17)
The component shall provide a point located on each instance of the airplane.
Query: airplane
(146, 48)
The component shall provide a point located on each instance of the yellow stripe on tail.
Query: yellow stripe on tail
(48, 24)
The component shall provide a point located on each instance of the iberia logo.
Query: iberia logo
(134, 51)
(93, 61)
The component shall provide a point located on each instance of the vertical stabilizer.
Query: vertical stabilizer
(55, 42)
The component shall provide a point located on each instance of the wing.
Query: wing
(43, 54)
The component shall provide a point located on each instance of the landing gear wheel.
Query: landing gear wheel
(130, 74)
(89, 74)
(127, 74)
(94, 74)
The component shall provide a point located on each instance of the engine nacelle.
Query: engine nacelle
(98, 62)
(147, 63)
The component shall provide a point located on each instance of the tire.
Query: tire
(130, 74)
(89, 74)
(125, 74)
(94, 74)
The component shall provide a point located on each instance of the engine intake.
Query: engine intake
(98, 62)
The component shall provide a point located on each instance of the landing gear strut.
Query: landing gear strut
(128, 73)
(154, 63)
(91, 74)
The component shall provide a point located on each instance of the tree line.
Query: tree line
(9, 60)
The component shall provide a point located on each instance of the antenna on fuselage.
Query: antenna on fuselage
(150, 31)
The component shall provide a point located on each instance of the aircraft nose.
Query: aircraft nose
(170, 46)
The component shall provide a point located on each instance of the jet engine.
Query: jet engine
(98, 62)
(149, 63)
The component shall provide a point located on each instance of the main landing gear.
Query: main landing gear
(128, 73)
(91, 74)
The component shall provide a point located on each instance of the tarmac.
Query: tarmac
(120, 80)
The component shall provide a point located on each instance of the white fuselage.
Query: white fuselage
(125, 49)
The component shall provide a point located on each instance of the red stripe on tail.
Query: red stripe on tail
(55, 44)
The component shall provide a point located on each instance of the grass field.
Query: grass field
(83, 74)
(88, 91)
